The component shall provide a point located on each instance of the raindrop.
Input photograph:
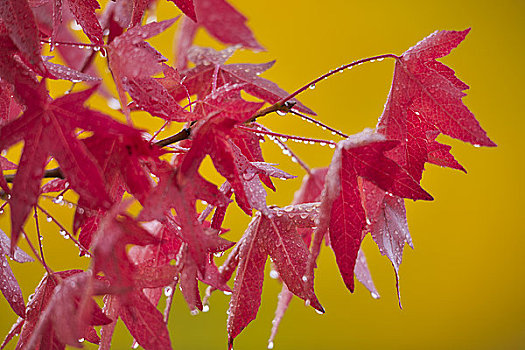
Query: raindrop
(81, 340)
(312, 86)
(1, 211)
(270, 345)
(305, 279)
(374, 295)
(75, 26)
(307, 302)
(168, 291)
(281, 113)
(227, 293)
(113, 103)
(274, 274)
(135, 345)
(319, 312)
(331, 145)
(205, 308)
(476, 145)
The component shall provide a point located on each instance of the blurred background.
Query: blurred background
(462, 287)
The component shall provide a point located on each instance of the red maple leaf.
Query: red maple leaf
(277, 237)
(9, 284)
(47, 128)
(60, 312)
(424, 101)
(211, 73)
(362, 155)
(221, 20)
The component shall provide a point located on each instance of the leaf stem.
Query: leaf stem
(322, 125)
(35, 215)
(260, 131)
(63, 229)
(334, 71)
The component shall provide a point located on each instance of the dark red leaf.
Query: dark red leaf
(425, 100)
(187, 7)
(145, 322)
(22, 29)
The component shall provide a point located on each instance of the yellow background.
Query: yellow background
(462, 287)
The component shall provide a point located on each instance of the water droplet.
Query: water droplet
(168, 291)
(331, 145)
(227, 293)
(305, 278)
(205, 308)
(319, 312)
(194, 312)
(135, 345)
(113, 103)
(307, 302)
(274, 274)
(281, 113)
(74, 25)
(374, 295)
(81, 340)
(476, 145)
(417, 113)
(270, 345)
(1, 211)
(312, 86)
